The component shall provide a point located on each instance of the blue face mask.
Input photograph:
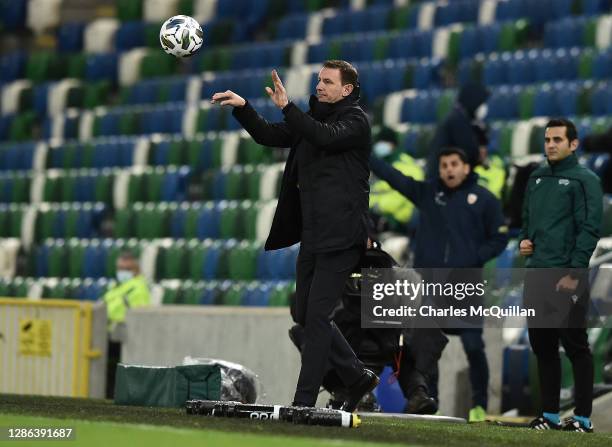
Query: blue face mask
(382, 149)
(124, 275)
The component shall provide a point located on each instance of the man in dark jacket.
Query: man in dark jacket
(562, 215)
(456, 129)
(323, 203)
(461, 226)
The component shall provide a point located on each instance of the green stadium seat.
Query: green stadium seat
(400, 18)
(129, 9)
(157, 63)
(172, 293)
(52, 187)
(235, 183)
(280, 295)
(22, 126)
(231, 218)
(196, 252)
(250, 212)
(123, 223)
(15, 220)
(58, 252)
(243, 261)
(192, 292)
(150, 221)
(172, 260)
(233, 296)
(381, 47)
(585, 64)
(76, 65)
(249, 152)
(76, 257)
(21, 188)
(252, 181)
(525, 103)
(590, 33)
(191, 221)
(152, 34)
(96, 94)
(67, 188)
(103, 190)
(445, 104)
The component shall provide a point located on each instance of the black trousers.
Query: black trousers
(571, 331)
(545, 345)
(321, 278)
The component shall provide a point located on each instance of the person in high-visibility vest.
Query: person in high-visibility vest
(386, 204)
(130, 292)
(491, 170)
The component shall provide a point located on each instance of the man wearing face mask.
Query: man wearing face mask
(130, 292)
(390, 209)
(456, 129)
(461, 226)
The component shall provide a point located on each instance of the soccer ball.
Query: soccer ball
(181, 36)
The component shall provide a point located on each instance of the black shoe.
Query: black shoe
(541, 423)
(366, 383)
(571, 424)
(421, 403)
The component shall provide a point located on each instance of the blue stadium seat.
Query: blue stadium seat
(40, 98)
(494, 71)
(12, 66)
(174, 184)
(545, 102)
(405, 45)
(70, 37)
(334, 25)
(100, 67)
(318, 52)
(41, 260)
(94, 261)
(130, 35)
(426, 74)
(469, 42)
(503, 103)
(520, 69)
(602, 65)
(211, 262)
(488, 37)
(292, 27)
(178, 218)
(85, 187)
(177, 89)
(106, 155)
(567, 94)
(208, 222)
(14, 13)
(510, 10)
(257, 295)
(595, 7)
(600, 99)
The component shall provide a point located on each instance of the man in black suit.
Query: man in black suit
(323, 203)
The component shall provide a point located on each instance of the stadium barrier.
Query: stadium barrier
(52, 347)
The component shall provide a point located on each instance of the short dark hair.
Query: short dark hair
(570, 128)
(453, 151)
(348, 73)
(128, 255)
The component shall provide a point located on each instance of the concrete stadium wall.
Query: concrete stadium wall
(257, 338)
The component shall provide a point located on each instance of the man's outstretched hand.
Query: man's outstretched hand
(228, 98)
(279, 94)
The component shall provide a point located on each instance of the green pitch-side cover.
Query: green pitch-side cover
(151, 386)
